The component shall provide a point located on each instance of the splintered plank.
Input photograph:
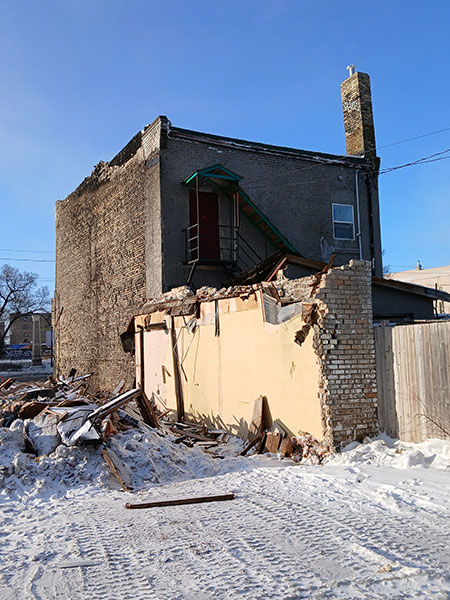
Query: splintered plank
(197, 500)
(7, 383)
(118, 469)
(256, 425)
(254, 442)
(146, 409)
(273, 441)
(191, 434)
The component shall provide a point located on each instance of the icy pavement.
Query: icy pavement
(362, 526)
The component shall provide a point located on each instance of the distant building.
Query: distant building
(437, 278)
(21, 331)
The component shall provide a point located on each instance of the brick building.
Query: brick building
(21, 331)
(177, 206)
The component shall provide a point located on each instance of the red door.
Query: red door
(205, 243)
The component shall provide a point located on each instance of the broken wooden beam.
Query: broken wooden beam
(115, 403)
(146, 410)
(118, 469)
(177, 372)
(197, 500)
(253, 443)
(7, 383)
(191, 434)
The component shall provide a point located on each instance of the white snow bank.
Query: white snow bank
(152, 459)
(385, 451)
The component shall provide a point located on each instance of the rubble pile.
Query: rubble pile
(279, 289)
(59, 434)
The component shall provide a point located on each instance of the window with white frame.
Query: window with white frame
(343, 222)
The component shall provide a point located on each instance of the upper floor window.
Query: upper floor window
(343, 222)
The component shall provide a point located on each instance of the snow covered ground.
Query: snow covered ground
(371, 523)
(22, 370)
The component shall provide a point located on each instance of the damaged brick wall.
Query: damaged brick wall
(345, 346)
(108, 260)
(100, 272)
(342, 326)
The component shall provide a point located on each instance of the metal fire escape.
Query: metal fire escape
(233, 250)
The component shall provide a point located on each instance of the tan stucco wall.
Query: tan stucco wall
(226, 373)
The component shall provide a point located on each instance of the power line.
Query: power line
(28, 251)
(42, 260)
(324, 162)
(420, 161)
(417, 137)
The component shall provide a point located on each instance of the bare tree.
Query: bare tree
(19, 295)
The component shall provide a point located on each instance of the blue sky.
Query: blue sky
(81, 77)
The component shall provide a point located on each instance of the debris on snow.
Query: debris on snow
(78, 439)
(180, 501)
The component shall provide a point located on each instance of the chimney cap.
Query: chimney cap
(351, 70)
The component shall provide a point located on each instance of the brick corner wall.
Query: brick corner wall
(345, 347)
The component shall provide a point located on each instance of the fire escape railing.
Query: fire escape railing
(218, 245)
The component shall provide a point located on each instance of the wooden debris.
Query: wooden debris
(39, 392)
(256, 425)
(191, 434)
(273, 441)
(29, 410)
(286, 447)
(197, 500)
(119, 388)
(7, 383)
(146, 410)
(118, 469)
(115, 403)
(253, 443)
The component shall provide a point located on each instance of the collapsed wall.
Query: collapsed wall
(306, 345)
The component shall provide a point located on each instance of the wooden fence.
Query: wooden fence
(413, 378)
